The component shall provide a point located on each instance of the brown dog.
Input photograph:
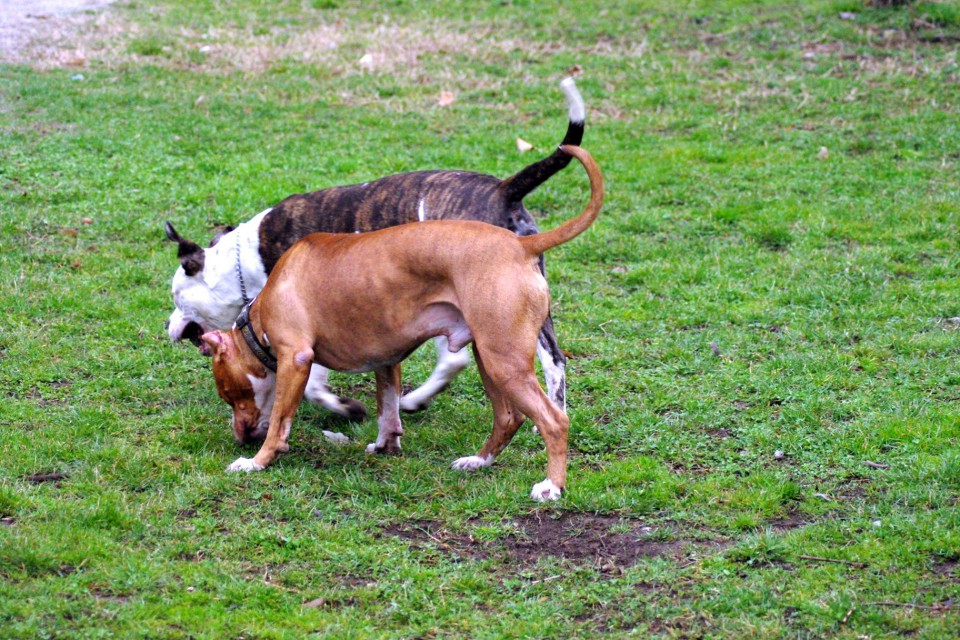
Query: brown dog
(364, 302)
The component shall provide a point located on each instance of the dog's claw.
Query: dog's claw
(244, 464)
(546, 490)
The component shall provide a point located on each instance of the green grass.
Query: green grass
(741, 293)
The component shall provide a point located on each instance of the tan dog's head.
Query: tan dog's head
(243, 383)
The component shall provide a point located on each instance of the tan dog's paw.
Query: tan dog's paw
(546, 490)
(244, 464)
(471, 463)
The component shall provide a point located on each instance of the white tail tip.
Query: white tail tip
(574, 102)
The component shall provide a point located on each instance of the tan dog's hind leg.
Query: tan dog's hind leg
(512, 374)
(506, 421)
(553, 425)
(293, 370)
(389, 428)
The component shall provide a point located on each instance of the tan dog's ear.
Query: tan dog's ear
(211, 343)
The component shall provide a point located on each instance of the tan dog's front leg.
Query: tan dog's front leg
(389, 428)
(293, 370)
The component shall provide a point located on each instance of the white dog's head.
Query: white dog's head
(206, 296)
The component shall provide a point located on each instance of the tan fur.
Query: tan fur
(382, 294)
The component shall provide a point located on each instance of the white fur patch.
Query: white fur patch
(263, 396)
(574, 102)
(421, 212)
(554, 375)
(546, 490)
(449, 364)
(244, 464)
(471, 463)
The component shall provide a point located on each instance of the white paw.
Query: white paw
(244, 464)
(546, 490)
(336, 438)
(412, 402)
(390, 446)
(471, 463)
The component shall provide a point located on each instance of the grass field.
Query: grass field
(775, 270)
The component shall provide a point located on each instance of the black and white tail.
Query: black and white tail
(515, 188)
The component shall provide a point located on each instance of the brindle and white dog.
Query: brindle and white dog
(364, 302)
(212, 285)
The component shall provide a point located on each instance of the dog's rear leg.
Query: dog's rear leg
(449, 364)
(506, 420)
(318, 392)
(389, 428)
(554, 364)
(553, 426)
(293, 369)
(512, 373)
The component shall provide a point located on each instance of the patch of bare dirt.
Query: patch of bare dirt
(949, 569)
(609, 543)
(55, 477)
(25, 25)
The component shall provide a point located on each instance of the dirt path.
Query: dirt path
(26, 21)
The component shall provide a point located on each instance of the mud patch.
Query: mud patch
(949, 569)
(606, 542)
(55, 477)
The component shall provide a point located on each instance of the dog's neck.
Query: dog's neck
(260, 351)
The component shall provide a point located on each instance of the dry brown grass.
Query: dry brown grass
(425, 52)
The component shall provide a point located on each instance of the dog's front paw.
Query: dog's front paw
(546, 490)
(471, 463)
(244, 464)
(392, 445)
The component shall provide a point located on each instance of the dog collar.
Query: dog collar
(246, 330)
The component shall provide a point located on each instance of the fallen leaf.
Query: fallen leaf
(523, 145)
(366, 62)
(315, 604)
(73, 233)
(447, 98)
(197, 102)
(575, 70)
(86, 220)
(823, 154)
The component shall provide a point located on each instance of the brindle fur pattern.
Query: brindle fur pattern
(400, 198)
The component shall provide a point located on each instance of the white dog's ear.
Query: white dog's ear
(189, 252)
(211, 343)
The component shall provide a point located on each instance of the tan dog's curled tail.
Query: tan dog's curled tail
(538, 243)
